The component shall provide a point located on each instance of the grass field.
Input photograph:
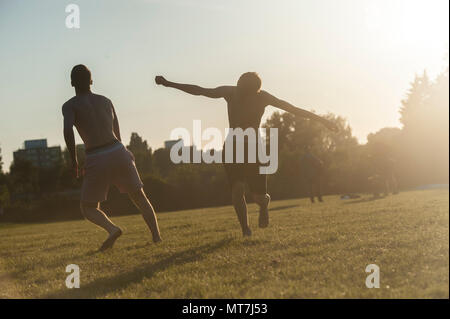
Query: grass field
(309, 251)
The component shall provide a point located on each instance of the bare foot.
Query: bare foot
(157, 239)
(247, 232)
(109, 242)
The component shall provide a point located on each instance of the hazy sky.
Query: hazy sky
(354, 58)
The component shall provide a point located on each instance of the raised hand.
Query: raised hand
(160, 80)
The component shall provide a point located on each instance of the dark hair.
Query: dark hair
(250, 82)
(80, 76)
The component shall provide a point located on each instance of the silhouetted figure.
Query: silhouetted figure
(386, 170)
(246, 103)
(312, 169)
(383, 178)
(107, 161)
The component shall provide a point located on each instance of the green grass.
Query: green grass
(309, 251)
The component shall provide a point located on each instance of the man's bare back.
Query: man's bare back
(107, 160)
(94, 117)
(245, 111)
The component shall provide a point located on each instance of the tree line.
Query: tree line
(416, 154)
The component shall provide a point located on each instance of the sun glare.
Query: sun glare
(419, 24)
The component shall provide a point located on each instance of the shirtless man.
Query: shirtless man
(108, 162)
(246, 104)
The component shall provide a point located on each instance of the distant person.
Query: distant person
(390, 175)
(313, 171)
(246, 104)
(383, 178)
(107, 162)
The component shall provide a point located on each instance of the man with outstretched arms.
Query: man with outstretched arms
(246, 104)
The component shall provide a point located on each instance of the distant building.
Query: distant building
(39, 154)
(168, 144)
(35, 144)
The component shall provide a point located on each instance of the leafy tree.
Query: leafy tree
(334, 149)
(1, 162)
(24, 177)
(4, 192)
(4, 195)
(142, 154)
(162, 162)
(425, 137)
(415, 101)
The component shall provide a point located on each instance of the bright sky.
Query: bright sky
(354, 58)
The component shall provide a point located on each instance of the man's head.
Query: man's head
(81, 77)
(249, 83)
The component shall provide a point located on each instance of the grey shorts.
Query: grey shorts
(112, 165)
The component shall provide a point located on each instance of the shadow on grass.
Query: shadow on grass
(60, 246)
(365, 200)
(103, 286)
(282, 207)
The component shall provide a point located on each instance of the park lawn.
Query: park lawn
(309, 251)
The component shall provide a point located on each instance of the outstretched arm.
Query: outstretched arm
(214, 93)
(69, 118)
(285, 106)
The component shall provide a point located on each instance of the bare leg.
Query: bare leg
(143, 204)
(263, 203)
(240, 206)
(319, 188)
(387, 187)
(91, 211)
(311, 190)
(394, 185)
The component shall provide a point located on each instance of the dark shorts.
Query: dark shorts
(247, 173)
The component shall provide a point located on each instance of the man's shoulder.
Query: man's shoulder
(103, 99)
(264, 94)
(69, 103)
(99, 96)
(76, 99)
(265, 98)
(228, 89)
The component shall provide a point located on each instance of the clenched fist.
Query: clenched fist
(160, 80)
